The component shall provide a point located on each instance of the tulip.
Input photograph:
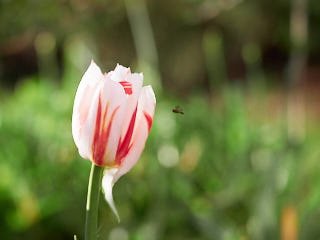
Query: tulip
(112, 117)
(111, 121)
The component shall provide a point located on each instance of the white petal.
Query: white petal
(84, 98)
(145, 112)
(120, 73)
(107, 185)
(86, 137)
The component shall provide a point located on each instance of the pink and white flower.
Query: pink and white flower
(111, 121)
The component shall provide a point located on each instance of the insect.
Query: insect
(177, 109)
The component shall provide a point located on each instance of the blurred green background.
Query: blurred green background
(242, 162)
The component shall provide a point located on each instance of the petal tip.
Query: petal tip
(94, 68)
(150, 93)
(107, 185)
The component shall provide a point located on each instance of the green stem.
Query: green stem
(93, 202)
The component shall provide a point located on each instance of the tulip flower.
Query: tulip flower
(111, 121)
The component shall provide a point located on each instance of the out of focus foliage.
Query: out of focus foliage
(228, 168)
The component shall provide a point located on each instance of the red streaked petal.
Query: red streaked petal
(101, 137)
(123, 147)
(136, 81)
(142, 125)
(114, 101)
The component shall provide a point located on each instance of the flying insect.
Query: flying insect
(178, 109)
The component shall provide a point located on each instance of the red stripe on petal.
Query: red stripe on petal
(123, 147)
(105, 137)
(100, 143)
(99, 147)
(149, 120)
(127, 86)
(96, 135)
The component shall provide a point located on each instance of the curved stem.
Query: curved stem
(93, 202)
